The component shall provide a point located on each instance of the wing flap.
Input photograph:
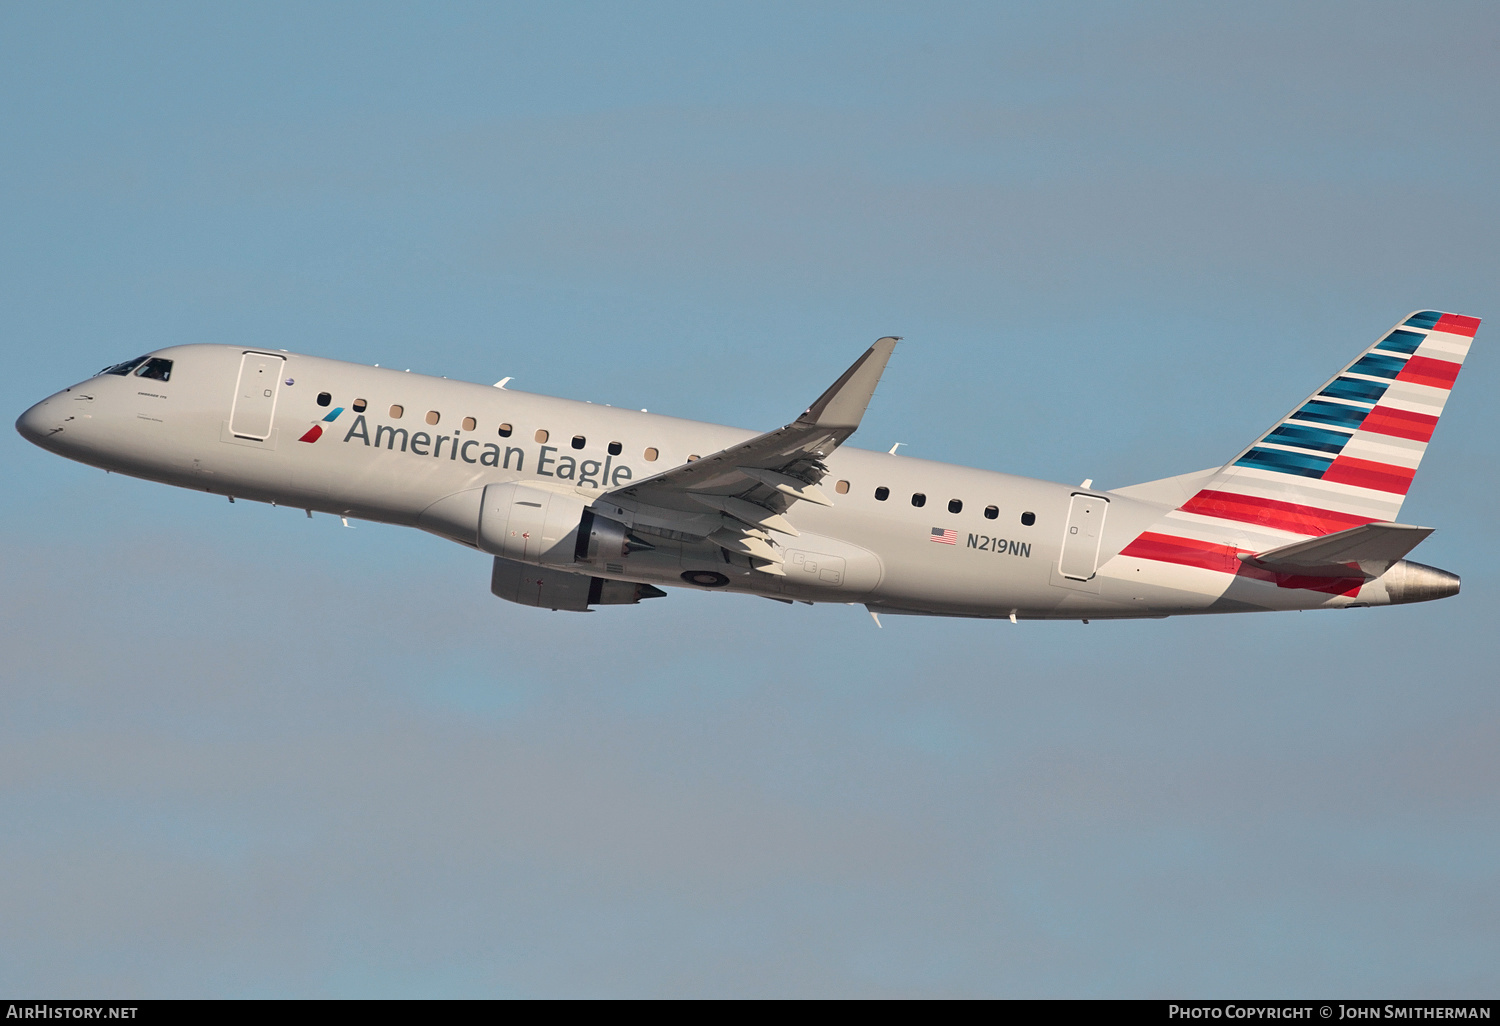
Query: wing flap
(752, 485)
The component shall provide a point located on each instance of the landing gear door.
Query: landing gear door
(255, 396)
(1081, 538)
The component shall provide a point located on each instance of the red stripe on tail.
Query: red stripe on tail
(1424, 370)
(1455, 324)
(1384, 420)
(1382, 477)
(1273, 513)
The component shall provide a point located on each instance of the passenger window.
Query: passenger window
(470, 423)
(324, 398)
(991, 512)
(433, 416)
(579, 441)
(1028, 519)
(396, 412)
(359, 406)
(842, 487)
(651, 455)
(955, 505)
(505, 430)
(125, 368)
(918, 499)
(882, 493)
(541, 435)
(615, 448)
(159, 369)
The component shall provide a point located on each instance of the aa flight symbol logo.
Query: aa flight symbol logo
(316, 431)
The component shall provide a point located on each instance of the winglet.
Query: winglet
(844, 404)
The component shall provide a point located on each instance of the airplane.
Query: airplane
(584, 505)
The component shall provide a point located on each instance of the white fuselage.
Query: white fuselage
(419, 451)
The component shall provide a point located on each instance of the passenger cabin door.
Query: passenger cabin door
(1081, 538)
(255, 396)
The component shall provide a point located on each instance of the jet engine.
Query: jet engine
(529, 525)
(601, 540)
(558, 589)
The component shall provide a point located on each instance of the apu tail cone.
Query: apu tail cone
(1416, 582)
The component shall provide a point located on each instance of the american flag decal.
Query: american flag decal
(942, 537)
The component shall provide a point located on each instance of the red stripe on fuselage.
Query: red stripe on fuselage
(1424, 370)
(1401, 423)
(1273, 513)
(1166, 548)
(1330, 585)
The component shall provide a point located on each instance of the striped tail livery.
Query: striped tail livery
(1311, 505)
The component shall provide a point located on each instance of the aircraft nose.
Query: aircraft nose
(38, 423)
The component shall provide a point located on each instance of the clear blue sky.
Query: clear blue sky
(244, 753)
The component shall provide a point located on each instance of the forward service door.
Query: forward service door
(255, 396)
(1081, 538)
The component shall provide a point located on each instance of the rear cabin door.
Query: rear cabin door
(1080, 548)
(255, 396)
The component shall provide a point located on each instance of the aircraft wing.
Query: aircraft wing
(1373, 547)
(737, 495)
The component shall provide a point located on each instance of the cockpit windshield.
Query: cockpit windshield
(125, 368)
(157, 368)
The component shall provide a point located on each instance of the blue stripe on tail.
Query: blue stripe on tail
(1336, 414)
(1299, 463)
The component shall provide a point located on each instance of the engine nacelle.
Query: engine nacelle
(558, 589)
(601, 540)
(529, 525)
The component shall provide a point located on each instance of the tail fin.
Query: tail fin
(1345, 456)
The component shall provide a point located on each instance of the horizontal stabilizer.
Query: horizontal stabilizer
(1369, 549)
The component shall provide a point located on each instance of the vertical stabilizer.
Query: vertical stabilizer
(1343, 458)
